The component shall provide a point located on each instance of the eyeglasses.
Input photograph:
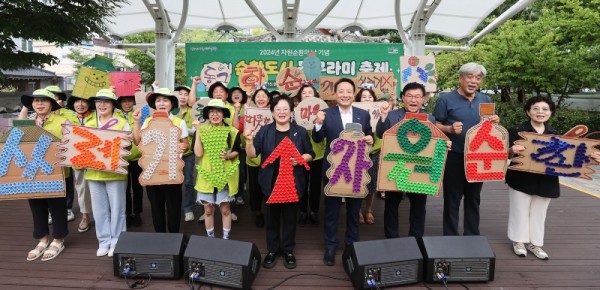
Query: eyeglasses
(416, 97)
(542, 109)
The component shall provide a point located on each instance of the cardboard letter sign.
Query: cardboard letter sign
(305, 113)
(374, 109)
(350, 162)
(284, 190)
(413, 154)
(420, 69)
(27, 158)
(252, 76)
(326, 87)
(161, 160)
(289, 80)
(198, 108)
(89, 82)
(215, 72)
(255, 118)
(556, 155)
(384, 83)
(94, 148)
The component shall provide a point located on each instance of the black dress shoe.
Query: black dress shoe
(128, 220)
(329, 258)
(270, 260)
(303, 218)
(136, 221)
(314, 219)
(259, 220)
(290, 260)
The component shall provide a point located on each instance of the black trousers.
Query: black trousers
(455, 188)
(416, 219)
(255, 196)
(165, 201)
(332, 215)
(39, 211)
(280, 225)
(242, 174)
(69, 190)
(311, 198)
(135, 191)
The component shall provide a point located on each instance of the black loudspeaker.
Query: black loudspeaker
(148, 254)
(458, 258)
(382, 263)
(222, 262)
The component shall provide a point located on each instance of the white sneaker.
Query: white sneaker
(102, 252)
(234, 218)
(70, 215)
(239, 200)
(49, 219)
(111, 251)
(537, 251)
(189, 216)
(201, 218)
(519, 249)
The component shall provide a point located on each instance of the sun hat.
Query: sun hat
(58, 92)
(215, 104)
(163, 92)
(27, 100)
(106, 94)
(72, 99)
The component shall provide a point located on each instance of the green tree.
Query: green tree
(61, 22)
(79, 58)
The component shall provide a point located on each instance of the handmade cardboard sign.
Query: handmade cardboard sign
(255, 118)
(556, 155)
(251, 77)
(284, 190)
(374, 109)
(215, 72)
(126, 83)
(350, 162)
(27, 158)
(326, 87)
(214, 142)
(305, 113)
(486, 149)
(95, 148)
(90, 81)
(198, 108)
(413, 154)
(311, 66)
(161, 160)
(383, 83)
(420, 69)
(289, 80)
(140, 102)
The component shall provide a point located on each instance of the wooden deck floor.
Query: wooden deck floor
(572, 241)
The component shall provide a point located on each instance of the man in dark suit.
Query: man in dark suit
(330, 127)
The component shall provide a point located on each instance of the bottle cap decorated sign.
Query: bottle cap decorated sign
(486, 149)
(420, 69)
(326, 87)
(27, 158)
(289, 80)
(374, 109)
(215, 72)
(255, 118)
(413, 154)
(556, 155)
(285, 190)
(95, 148)
(305, 113)
(161, 160)
(350, 162)
(383, 83)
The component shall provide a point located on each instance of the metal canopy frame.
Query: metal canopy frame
(413, 37)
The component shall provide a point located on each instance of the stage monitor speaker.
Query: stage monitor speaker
(222, 262)
(148, 254)
(458, 258)
(383, 263)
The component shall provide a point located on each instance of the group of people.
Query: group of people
(225, 155)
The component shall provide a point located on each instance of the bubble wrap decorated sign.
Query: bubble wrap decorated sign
(305, 113)
(413, 154)
(161, 160)
(284, 190)
(349, 159)
(27, 158)
(94, 148)
(556, 155)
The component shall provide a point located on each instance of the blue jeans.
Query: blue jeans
(189, 194)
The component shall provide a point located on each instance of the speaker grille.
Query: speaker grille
(402, 272)
(466, 269)
(156, 266)
(220, 273)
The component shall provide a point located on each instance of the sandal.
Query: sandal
(361, 219)
(84, 225)
(36, 252)
(369, 218)
(53, 251)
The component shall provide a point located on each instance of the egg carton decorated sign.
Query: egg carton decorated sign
(27, 158)
(161, 160)
(95, 148)
(413, 154)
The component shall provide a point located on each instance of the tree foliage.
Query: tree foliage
(58, 21)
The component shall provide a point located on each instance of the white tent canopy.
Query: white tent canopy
(290, 20)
